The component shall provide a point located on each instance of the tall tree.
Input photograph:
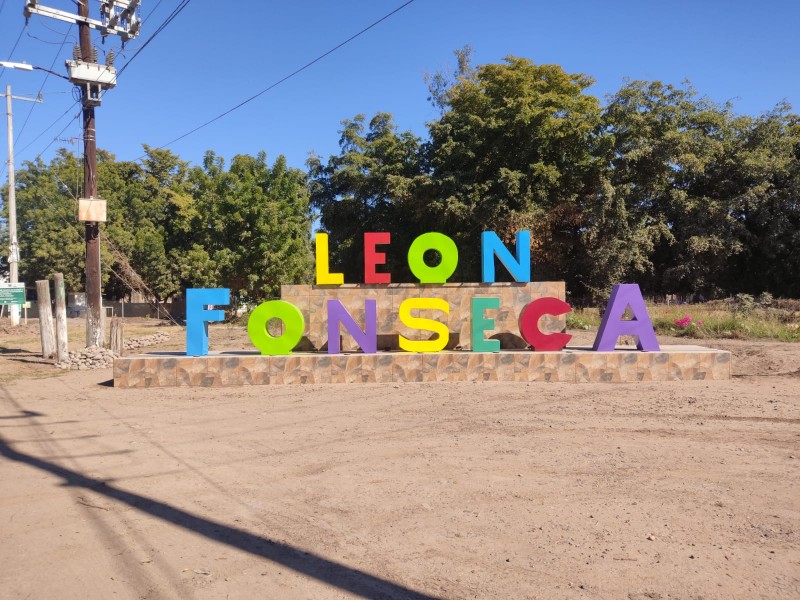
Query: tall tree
(49, 238)
(515, 149)
(665, 139)
(761, 176)
(255, 225)
(367, 187)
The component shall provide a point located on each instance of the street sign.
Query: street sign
(12, 293)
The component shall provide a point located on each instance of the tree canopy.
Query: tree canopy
(655, 184)
(247, 228)
(658, 185)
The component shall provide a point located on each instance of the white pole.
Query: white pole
(13, 257)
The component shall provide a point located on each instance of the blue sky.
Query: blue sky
(216, 54)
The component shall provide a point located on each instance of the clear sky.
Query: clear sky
(216, 54)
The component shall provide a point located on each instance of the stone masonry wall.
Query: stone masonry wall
(311, 300)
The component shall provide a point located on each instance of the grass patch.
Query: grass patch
(724, 319)
(709, 321)
(583, 318)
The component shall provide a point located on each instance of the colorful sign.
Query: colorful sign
(623, 297)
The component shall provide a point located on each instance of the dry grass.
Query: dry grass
(720, 320)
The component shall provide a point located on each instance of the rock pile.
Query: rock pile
(145, 340)
(92, 357)
(95, 357)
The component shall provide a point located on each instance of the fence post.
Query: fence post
(62, 343)
(45, 319)
(116, 341)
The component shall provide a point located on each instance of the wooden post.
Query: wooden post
(116, 341)
(62, 343)
(45, 319)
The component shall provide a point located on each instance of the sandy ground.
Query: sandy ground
(637, 491)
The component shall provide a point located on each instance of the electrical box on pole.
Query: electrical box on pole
(92, 210)
(92, 78)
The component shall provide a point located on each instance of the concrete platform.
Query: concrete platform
(573, 365)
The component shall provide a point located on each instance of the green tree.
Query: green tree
(369, 186)
(515, 148)
(709, 189)
(761, 176)
(247, 228)
(149, 206)
(666, 143)
(50, 237)
(254, 226)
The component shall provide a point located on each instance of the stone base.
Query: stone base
(573, 365)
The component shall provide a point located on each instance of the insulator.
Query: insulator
(76, 52)
(94, 54)
(110, 58)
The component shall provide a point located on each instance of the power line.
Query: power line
(38, 39)
(10, 54)
(44, 24)
(150, 14)
(49, 127)
(56, 138)
(287, 77)
(159, 29)
(46, 76)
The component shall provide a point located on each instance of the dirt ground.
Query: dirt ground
(512, 490)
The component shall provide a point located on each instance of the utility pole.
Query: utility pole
(94, 300)
(119, 17)
(13, 255)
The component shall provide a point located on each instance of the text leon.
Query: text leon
(613, 325)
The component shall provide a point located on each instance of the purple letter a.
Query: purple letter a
(612, 326)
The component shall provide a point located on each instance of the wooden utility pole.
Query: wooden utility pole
(94, 299)
(118, 17)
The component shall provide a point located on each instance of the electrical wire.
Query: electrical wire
(150, 14)
(58, 135)
(48, 128)
(159, 29)
(43, 23)
(10, 54)
(38, 39)
(46, 76)
(175, 12)
(286, 78)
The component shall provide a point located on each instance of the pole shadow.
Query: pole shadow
(336, 574)
(24, 414)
